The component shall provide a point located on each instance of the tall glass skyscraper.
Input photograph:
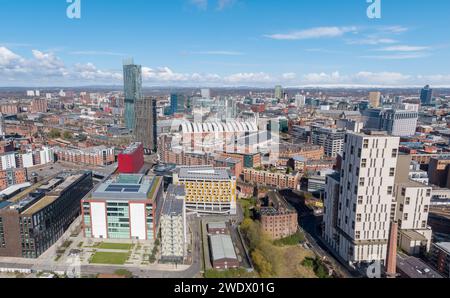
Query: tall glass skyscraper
(426, 95)
(132, 81)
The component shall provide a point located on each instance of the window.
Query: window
(408, 201)
(358, 217)
(359, 153)
(358, 235)
(426, 209)
(428, 192)
(363, 163)
(352, 150)
(394, 153)
(360, 200)
(357, 171)
(392, 172)
(424, 224)
(362, 181)
(390, 189)
(405, 216)
(366, 144)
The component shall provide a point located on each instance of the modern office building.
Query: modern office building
(178, 103)
(131, 160)
(208, 189)
(125, 207)
(33, 220)
(173, 225)
(146, 130)
(399, 123)
(359, 198)
(426, 95)
(132, 76)
(332, 140)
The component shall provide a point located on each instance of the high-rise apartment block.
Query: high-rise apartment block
(132, 76)
(359, 199)
(332, 140)
(146, 130)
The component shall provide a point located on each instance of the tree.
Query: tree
(67, 135)
(54, 133)
(263, 266)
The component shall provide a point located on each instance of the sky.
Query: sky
(207, 43)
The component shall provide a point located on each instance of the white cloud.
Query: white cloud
(8, 58)
(46, 69)
(96, 53)
(404, 48)
(313, 33)
(398, 56)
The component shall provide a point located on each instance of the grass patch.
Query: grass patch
(80, 245)
(295, 239)
(113, 258)
(118, 246)
(123, 272)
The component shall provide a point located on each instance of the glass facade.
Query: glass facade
(132, 76)
(118, 220)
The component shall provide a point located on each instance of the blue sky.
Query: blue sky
(226, 42)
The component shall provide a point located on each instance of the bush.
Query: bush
(291, 240)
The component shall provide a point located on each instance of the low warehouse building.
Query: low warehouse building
(223, 255)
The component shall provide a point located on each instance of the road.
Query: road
(310, 224)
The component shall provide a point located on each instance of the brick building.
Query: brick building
(272, 179)
(279, 219)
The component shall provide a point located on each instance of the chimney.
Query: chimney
(391, 262)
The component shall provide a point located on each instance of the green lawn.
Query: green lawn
(119, 246)
(113, 258)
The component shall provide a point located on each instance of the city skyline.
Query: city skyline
(194, 43)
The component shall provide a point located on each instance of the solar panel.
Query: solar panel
(123, 188)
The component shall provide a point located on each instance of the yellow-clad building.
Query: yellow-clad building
(208, 189)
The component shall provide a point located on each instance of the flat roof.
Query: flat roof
(203, 173)
(117, 190)
(41, 204)
(222, 247)
(415, 268)
(444, 246)
(217, 225)
(12, 189)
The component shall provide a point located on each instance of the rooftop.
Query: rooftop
(444, 246)
(203, 173)
(128, 187)
(415, 268)
(222, 247)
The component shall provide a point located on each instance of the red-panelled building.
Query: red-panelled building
(131, 160)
